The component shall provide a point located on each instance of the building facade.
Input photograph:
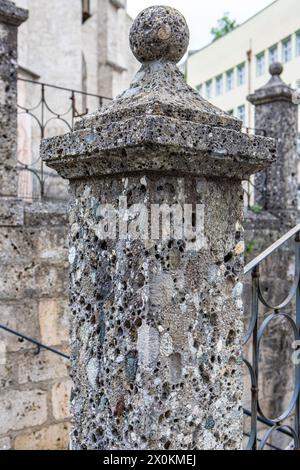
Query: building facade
(77, 44)
(238, 63)
(74, 44)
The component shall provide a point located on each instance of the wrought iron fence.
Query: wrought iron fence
(289, 311)
(52, 110)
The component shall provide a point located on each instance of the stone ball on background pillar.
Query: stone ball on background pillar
(276, 68)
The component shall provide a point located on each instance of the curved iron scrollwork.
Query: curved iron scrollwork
(255, 335)
(44, 115)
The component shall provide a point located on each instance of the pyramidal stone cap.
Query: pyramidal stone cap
(274, 90)
(160, 123)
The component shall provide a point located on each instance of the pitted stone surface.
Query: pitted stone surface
(277, 191)
(274, 90)
(10, 18)
(156, 330)
(157, 327)
(159, 89)
(12, 15)
(160, 117)
(159, 33)
(163, 145)
(277, 116)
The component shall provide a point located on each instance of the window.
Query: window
(286, 50)
(199, 89)
(241, 113)
(260, 64)
(86, 11)
(241, 74)
(219, 85)
(229, 80)
(273, 54)
(208, 89)
(298, 43)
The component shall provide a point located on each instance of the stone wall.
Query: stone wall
(35, 388)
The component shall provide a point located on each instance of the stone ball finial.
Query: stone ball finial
(159, 32)
(276, 69)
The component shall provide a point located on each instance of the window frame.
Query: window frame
(219, 85)
(298, 43)
(208, 86)
(271, 50)
(240, 67)
(260, 67)
(199, 88)
(284, 42)
(243, 119)
(230, 73)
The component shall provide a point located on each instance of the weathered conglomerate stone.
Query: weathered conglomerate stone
(157, 325)
(276, 115)
(10, 18)
(159, 33)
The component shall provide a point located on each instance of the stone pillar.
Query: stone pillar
(157, 320)
(276, 114)
(10, 18)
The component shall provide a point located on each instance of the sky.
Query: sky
(202, 15)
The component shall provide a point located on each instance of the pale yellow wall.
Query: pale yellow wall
(270, 26)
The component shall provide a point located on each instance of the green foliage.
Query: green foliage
(225, 25)
(256, 209)
(250, 247)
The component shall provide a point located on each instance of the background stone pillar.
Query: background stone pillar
(157, 324)
(10, 18)
(276, 114)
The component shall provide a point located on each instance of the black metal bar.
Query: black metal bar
(266, 422)
(256, 332)
(73, 108)
(259, 440)
(41, 112)
(297, 366)
(42, 182)
(33, 341)
(271, 249)
(254, 387)
(62, 88)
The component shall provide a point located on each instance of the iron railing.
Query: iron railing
(256, 333)
(52, 110)
(38, 344)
